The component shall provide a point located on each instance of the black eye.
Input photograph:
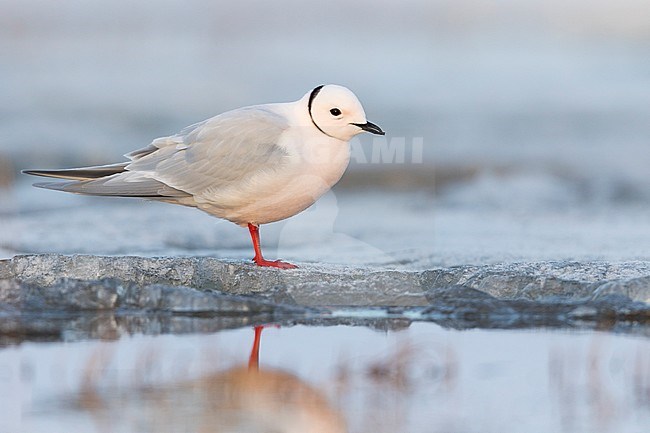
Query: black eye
(335, 112)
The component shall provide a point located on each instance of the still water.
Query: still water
(393, 376)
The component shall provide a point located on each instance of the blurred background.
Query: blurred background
(533, 107)
(534, 120)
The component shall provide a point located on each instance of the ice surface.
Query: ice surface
(337, 285)
(403, 230)
(86, 288)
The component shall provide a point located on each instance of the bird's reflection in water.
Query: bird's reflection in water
(242, 399)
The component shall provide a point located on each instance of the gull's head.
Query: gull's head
(337, 112)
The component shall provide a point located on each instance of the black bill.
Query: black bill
(370, 127)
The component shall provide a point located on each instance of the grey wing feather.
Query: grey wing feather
(117, 186)
(159, 143)
(220, 151)
(83, 173)
(223, 150)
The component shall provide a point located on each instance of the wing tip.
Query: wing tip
(81, 173)
(32, 172)
(44, 173)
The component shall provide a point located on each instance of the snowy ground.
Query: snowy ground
(412, 230)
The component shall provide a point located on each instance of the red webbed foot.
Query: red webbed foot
(259, 259)
(274, 264)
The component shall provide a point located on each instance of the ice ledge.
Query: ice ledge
(325, 285)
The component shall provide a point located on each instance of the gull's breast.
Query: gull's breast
(279, 194)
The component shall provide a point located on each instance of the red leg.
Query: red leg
(258, 259)
(254, 359)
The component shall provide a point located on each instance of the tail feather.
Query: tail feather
(83, 173)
